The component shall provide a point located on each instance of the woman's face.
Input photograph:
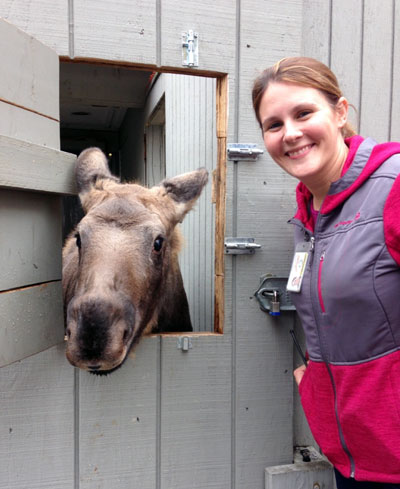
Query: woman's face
(302, 131)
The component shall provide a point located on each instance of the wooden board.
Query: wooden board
(119, 423)
(265, 200)
(46, 20)
(377, 69)
(28, 166)
(31, 321)
(316, 30)
(19, 123)
(196, 413)
(37, 423)
(31, 77)
(344, 39)
(190, 132)
(395, 113)
(119, 31)
(30, 239)
(300, 476)
(215, 24)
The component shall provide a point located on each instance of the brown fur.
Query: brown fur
(118, 285)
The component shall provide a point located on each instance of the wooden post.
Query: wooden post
(220, 196)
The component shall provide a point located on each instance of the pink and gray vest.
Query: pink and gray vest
(349, 306)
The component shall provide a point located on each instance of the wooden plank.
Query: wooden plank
(30, 239)
(220, 186)
(191, 143)
(395, 113)
(300, 476)
(37, 423)
(19, 123)
(46, 20)
(127, 27)
(316, 30)
(377, 69)
(195, 413)
(86, 84)
(216, 33)
(265, 201)
(348, 68)
(31, 77)
(118, 423)
(28, 166)
(31, 321)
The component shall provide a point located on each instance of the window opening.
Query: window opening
(152, 126)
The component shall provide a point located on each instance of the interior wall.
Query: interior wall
(131, 146)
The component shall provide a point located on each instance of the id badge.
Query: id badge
(298, 266)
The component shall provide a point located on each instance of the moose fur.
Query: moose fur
(121, 277)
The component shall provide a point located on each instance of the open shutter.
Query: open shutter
(34, 174)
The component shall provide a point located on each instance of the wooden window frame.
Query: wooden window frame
(219, 176)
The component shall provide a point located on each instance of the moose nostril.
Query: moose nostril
(68, 332)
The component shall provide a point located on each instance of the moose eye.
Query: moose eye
(78, 240)
(158, 243)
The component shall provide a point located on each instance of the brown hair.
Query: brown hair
(303, 71)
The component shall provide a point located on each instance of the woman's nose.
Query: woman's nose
(292, 132)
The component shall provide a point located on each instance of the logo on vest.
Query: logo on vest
(346, 223)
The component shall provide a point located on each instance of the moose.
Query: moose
(121, 277)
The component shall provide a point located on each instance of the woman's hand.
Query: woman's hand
(298, 373)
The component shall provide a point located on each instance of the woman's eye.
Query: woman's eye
(78, 240)
(158, 243)
(304, 113)
(274, 126)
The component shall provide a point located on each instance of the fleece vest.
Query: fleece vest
(349, 306)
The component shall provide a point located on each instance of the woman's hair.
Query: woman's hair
(307, 72)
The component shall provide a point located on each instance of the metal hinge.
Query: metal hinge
(240, 246)
(239, 151)
(190, 48)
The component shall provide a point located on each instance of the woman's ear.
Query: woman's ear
(342, 109)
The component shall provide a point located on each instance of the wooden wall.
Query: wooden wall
(190, 132)
(217, 415)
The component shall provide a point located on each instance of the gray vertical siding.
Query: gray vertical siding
(191, 143)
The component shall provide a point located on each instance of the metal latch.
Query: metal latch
(190, 48)
(239, 151)
(240, 246)
(184, 343)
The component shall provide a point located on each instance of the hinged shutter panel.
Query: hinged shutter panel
(33, 174)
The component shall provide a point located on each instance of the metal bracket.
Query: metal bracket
(239, 152)
(190, 49)
(269, 288)
(240, 246)
(184, 343)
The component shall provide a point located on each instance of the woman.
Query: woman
(346, 286)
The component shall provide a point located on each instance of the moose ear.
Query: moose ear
(91, 166)
(185, 189)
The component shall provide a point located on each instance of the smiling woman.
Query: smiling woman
(346, 290)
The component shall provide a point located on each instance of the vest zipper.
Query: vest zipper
(321, 300)
(341, 436)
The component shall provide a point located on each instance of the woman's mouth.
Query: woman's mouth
(299, 152)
